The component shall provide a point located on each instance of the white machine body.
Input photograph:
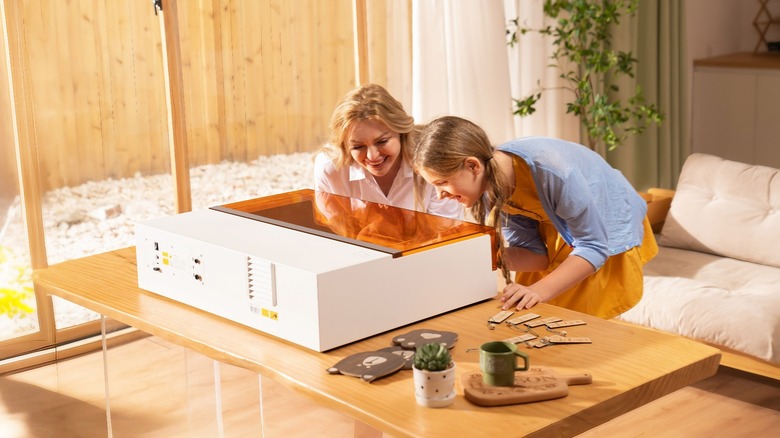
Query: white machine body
(307, 289)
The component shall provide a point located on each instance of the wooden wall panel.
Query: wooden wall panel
(261, 77)
(97, 89)
(270, 73)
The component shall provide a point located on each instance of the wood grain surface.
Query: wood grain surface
(630, 366)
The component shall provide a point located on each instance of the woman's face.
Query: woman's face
(465, 186)
(375, 147)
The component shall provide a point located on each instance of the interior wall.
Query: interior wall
(720, 27)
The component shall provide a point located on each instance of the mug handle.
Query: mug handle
(525, 360)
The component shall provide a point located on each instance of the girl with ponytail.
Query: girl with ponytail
(570, 226)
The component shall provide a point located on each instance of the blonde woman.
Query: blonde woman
(574, 230)
(368, 154)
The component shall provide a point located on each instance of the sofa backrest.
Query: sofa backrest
(726, 208)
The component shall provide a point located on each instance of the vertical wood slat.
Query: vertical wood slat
(116, 104)
(64, 93)
(148, 68)
(266, 73)
(107, 124)
(253, 102)
(237, 91)
(285, 77)
(85, 95)
(226, 93)
(277, 99)
(215, 100)
(177, 120)
(197, 22)
(361, 41)
(303, 124)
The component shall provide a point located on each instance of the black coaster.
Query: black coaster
(406, 354)
(369, 365)
(417, 338)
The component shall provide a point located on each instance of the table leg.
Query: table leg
(104, 345)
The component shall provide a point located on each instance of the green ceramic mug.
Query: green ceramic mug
(498, 362)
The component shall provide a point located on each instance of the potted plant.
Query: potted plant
(590, 66)
(434, 375)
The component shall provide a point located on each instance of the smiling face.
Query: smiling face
(375, 147)
(465, 185)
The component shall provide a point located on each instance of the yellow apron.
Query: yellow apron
(608, 292)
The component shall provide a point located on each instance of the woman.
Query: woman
(574, 229)
(368, 154)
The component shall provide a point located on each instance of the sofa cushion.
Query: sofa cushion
(726, 208)
(719, 300)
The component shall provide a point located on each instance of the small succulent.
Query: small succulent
(432, 357)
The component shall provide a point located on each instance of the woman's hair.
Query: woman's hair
(367, 102)
(443, 146)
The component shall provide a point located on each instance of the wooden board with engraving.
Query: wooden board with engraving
(536, 384)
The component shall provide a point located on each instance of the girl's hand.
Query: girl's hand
(522, 296)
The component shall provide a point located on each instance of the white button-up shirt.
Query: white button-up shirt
(354, 181)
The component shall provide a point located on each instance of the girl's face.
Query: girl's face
(375, 147)
(465, 186)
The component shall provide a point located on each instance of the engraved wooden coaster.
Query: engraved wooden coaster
(419, 337)
(368, 366)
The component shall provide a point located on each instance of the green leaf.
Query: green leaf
(525, 107)
(432, 357)
(582, 41)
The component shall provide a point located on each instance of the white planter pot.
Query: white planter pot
(434, 389)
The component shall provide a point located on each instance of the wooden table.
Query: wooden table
(631, 366)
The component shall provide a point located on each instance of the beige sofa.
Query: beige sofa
(717, 275)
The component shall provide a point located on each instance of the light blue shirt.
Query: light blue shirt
(592, 205)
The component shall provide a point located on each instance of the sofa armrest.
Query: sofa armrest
(658, 203)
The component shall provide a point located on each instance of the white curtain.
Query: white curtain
(530, 71)
(461, 65)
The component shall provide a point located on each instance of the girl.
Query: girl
(367, 157)
(573, 228)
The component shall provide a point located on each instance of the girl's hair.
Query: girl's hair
(368, 102)
(443, 146)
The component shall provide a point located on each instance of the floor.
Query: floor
(157, 389)
(161, 390)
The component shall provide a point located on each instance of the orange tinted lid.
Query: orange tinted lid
(393, 230)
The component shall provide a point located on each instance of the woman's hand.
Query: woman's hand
(523, 297)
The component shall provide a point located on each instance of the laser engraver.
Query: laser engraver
(316, 269)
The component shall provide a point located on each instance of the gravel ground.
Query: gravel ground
(99, 216)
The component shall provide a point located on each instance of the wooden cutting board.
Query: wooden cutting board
(536, 384)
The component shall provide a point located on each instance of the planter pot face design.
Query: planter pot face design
(434, 389)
